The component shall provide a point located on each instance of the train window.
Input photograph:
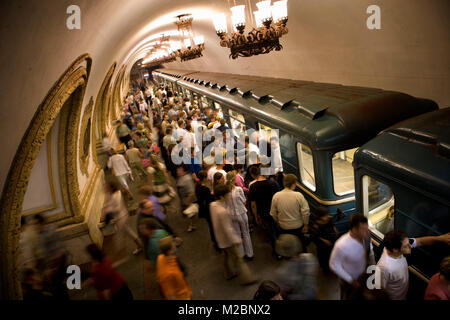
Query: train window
(276, 160)
(218, 108)
(237, 122)
(204, 102)
(378, 205)
(306, 166)
(343, 178)
(188, 94)
(287, 145)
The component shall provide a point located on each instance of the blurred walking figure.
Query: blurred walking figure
(170, 274)
(109, 283)
(204, 199)
(186, 191)
(227, 238)
(116, 209)
(134, 157)
(236, 208)
(123, 132)
(33, 287)
(297, 277)
(325, 235)
(159, 180)
(51, 258)
(121, 170)
(351, 255)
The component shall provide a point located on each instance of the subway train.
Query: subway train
(321, 126)
(402, 182)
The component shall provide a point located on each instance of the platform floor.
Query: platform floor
(204, 264)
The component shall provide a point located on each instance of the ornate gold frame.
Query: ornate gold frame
(84, 159)
(74, 78)
(100, 110)
(50, 180)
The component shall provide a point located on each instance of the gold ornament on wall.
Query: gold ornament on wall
(85, 137)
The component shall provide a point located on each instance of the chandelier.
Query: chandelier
(184, 24)
(270, 21)
(161, 52)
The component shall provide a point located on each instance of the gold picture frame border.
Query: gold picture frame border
(75, 76)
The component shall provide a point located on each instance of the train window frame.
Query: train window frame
(384, 206)
(350, 192)
(308, 185)
(231, 117)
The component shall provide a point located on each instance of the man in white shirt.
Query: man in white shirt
(212, 171)
(350, 255)
(393, 265)
(180, 131)
(121, 170)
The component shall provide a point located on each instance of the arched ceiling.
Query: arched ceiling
(328, 41)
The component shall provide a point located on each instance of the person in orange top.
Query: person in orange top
(169, 274)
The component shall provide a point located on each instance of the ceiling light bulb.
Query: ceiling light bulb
(187, 43)
(279, 10)
(220, 23)
(264, 9)
(258, 19)
(238, 15)
(199, 40)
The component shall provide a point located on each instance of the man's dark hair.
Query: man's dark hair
(40, 219)
(169, 130)
(321, 212)
(356, 220)
(149, 224)
(255, 171)
(393, 240)
(188, 127)
(228, 167)
(202, 175)
(95, 252)
(238, 166)
(221, 190)
(444, 268)
(184, 166)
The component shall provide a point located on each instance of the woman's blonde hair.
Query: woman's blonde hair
(231, 179)
(154, 161)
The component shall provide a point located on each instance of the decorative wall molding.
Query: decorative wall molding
(84, 145)
(76, 76)
(99, 117)
(50, 180)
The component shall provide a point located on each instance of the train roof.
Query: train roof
(415, 151)
(328, 116)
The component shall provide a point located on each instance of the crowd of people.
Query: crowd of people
(157, 127)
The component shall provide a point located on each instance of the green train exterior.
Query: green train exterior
(407, 168)
(320, 124)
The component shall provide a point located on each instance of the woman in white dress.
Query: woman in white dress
(236, 208)
(116, 209)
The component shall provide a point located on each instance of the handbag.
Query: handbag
(191, 211)
(146, 163)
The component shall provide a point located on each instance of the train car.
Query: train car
(320, 124)
(402, 180)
